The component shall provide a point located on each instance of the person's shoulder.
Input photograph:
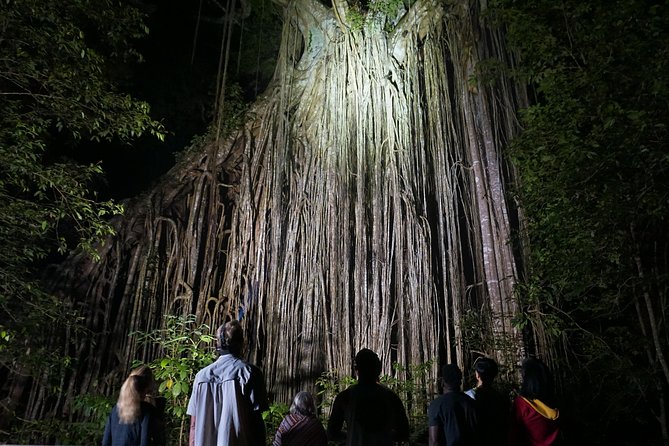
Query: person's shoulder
(147, 408)
(436, 406)
(345, 394)
(231, 367)
(467, 402)
(245, 370)
(488, 390)
(255, 370)
(458, 398)
(214, 364)
(390, 394)
(383, 388)
(205, 372)
(463, 398)
(113, 413)
(520, 404)
(439, 400)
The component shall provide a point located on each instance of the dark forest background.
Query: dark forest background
(592, 162)
(178, 75)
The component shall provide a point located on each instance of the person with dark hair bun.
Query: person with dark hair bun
(491, 406)
(534, 419)
(452, 417)
(133, 420)
(374, 415)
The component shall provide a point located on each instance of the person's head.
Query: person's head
(304, 404)
(486, 370)
(367, 365)
(537, 380)
(133, 391)
(451, 377)
(230, 337)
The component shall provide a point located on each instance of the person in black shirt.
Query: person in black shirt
(374, 415)
(493, 408)
(452, 417)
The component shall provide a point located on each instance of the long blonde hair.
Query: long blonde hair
(133, 391)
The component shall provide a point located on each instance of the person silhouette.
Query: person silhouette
(374, 415)
(452, 417)
(535, 420)
(492, 407)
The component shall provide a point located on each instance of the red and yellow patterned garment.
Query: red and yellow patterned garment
(533, 423)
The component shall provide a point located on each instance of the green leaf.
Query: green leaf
(176, 389)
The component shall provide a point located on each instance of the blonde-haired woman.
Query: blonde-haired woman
(133, 421)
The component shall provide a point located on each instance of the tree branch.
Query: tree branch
(311, 15)
(340, 9)
(317, 24)
(420, 18)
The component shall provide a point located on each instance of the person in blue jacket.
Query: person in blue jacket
(134, 421)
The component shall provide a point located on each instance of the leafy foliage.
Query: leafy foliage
(329, 384)
(594, 187)
(412, 390)
(94, 408)
(376, 14)
(57, 62)
(185, 348)
(272, 418)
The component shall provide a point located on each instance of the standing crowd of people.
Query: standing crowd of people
(229, 396)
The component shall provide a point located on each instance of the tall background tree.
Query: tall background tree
(593, 182)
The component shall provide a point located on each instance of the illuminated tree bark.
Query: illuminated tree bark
(362, 204)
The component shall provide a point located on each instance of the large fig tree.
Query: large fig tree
(363, 203)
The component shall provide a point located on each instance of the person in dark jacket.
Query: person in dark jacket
(134, 421)
(374, 415)
(492, 407)
(452, 417)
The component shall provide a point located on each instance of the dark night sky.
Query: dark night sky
(180, 94)
(180, 83)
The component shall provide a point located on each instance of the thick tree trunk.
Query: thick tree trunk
(361, 205)
(483, 101)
